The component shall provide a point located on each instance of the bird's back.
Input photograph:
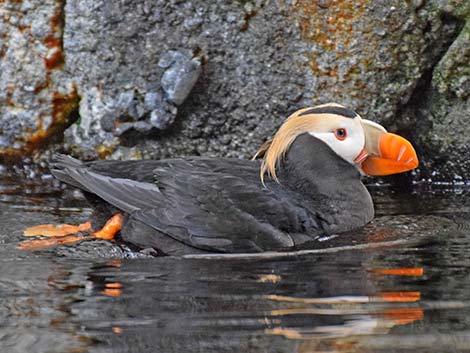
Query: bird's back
(210, 204)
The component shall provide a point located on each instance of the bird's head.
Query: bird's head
(362, 143)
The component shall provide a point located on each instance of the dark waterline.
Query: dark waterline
(408, 291)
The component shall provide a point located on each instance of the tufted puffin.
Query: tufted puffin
(303, 183)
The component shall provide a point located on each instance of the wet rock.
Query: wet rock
(126, 153)
(366, 58)
(152, 100)
(99, 249)
(161, 119)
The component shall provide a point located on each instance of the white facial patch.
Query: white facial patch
(351, 146)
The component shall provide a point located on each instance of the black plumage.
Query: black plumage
(181, 206)
(341, 111)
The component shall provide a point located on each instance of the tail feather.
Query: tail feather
(61, 161)
(63, 165)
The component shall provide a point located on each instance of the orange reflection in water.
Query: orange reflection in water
(403, 316)
(117, 330)
(415, 271)
(358, 316)
(114, 263)
(269, 278)
(399, 297)
(113, 289)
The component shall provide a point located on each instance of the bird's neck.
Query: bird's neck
(311, 166)
(313, 170)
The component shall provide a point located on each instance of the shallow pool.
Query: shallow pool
(400, 285)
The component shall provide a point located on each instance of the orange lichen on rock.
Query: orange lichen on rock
(55, 57)
(331, 27)
(62, 107)
(52, 106)
(334, 27)
(105, 150)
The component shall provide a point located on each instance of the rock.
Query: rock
(171, 78)
(443, 113)
(98, 249)
(86, 137)
(152, 100)
(155, 51)
(182, 72)
(35, 100)
(161, 118)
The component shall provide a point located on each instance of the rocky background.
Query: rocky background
(160, 78)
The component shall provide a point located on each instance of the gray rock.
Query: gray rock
(234, 70)
(445, 113)
(141, 126)
(180, 76)
(152, 100)
(262, 60)
(125, 100)
(35, 98)
(163, 117)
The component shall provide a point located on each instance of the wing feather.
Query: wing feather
(217, 205)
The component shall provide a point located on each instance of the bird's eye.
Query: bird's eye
(341, 134)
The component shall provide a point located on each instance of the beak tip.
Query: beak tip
(397, 155)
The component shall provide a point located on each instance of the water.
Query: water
(400, 285)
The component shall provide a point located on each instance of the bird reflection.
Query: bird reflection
(337, 324)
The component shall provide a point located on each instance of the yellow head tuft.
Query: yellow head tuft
(300, 122)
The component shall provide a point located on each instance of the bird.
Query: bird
(303, 183)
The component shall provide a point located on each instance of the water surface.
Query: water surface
(400, 285)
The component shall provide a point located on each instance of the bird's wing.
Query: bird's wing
(218, 206)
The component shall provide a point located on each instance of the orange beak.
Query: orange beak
(388, 153)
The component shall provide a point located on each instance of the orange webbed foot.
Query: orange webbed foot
(61, 230)
(110, 229)
(64, 234)
(39, 244)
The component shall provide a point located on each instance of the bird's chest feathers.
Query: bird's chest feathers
(329, 186)
(347, 209)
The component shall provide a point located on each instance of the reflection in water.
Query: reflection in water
(35, 309)
(358, 316)
(399, 271)
(169, 303)
(402, 284)
(112, 289)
